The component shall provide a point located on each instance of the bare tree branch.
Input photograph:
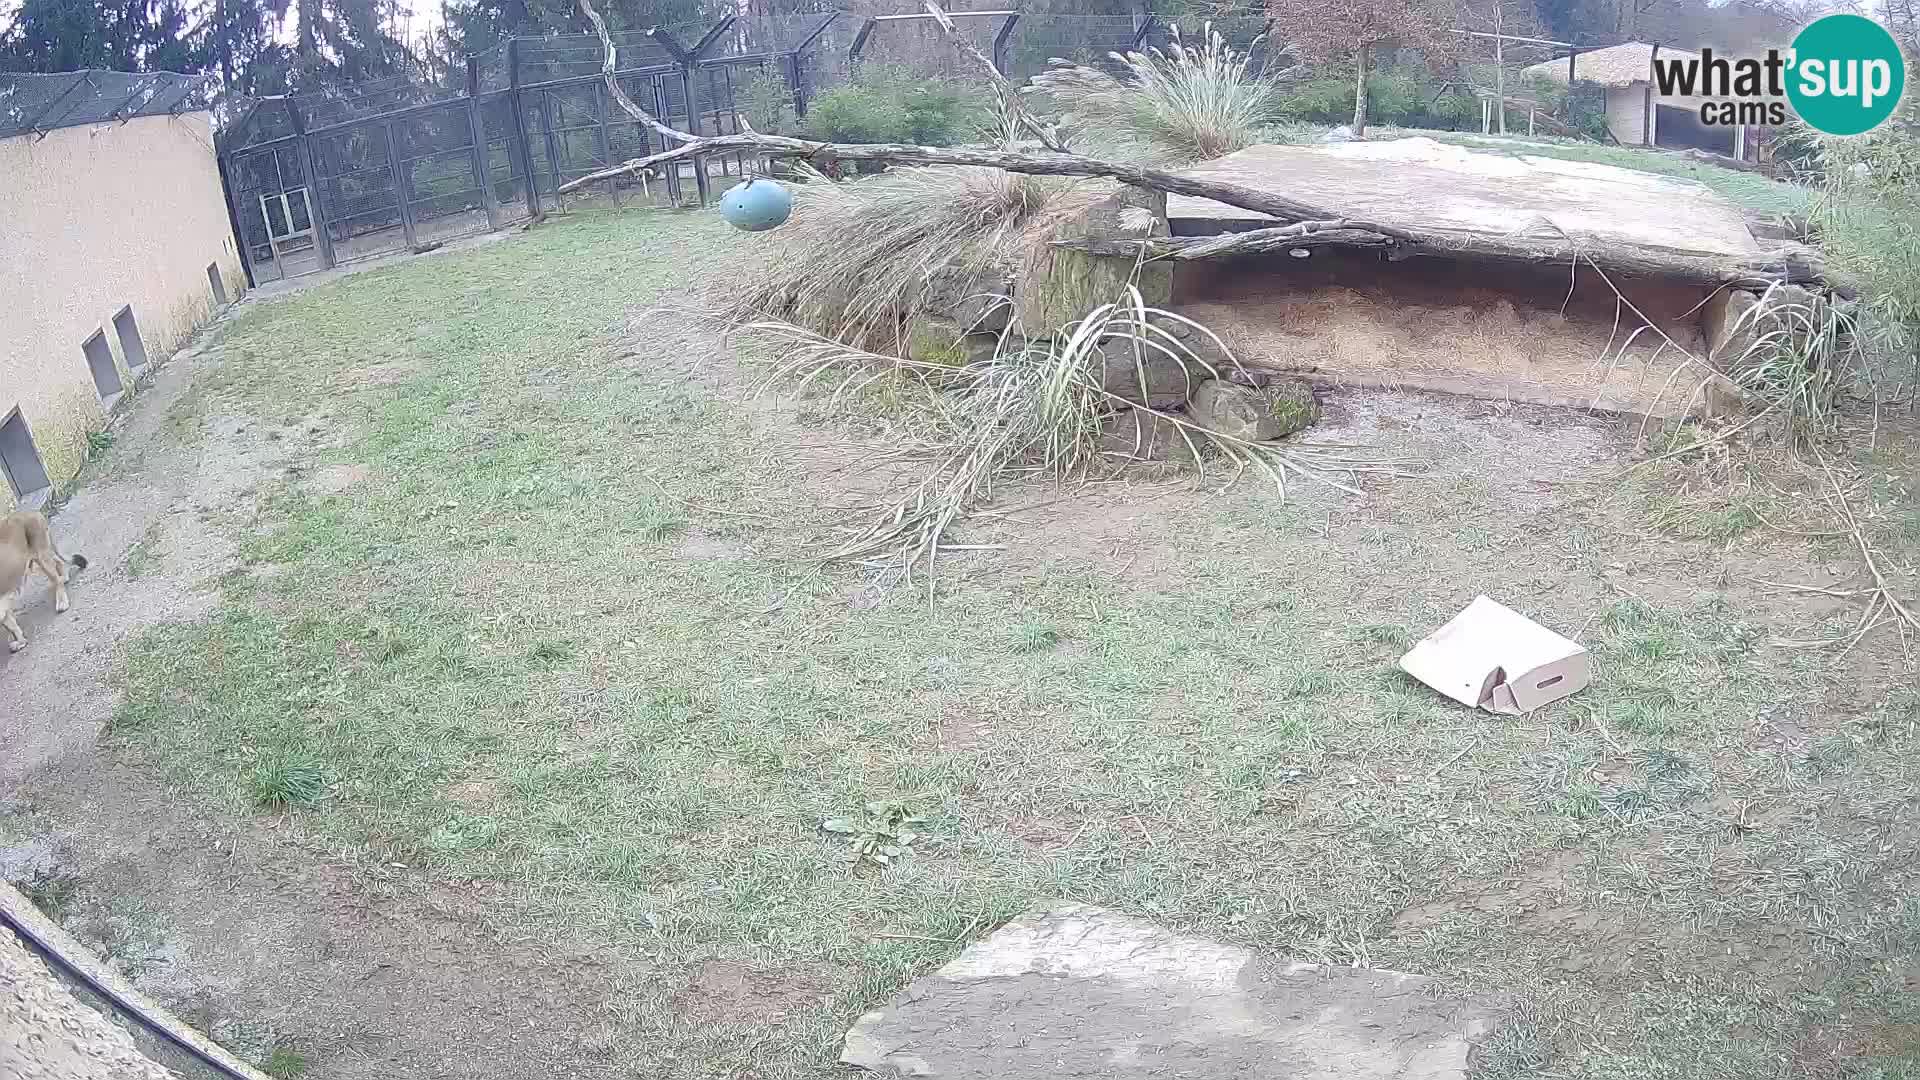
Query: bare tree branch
(609, 63)
(1303, 225)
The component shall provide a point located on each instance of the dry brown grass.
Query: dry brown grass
(856, 254)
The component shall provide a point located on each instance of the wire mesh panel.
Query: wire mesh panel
(366, 99)
(42, 103)
(574, 56)
(825, 63)
(273, 204)
(1082, 39)
(770, 35)
(442, 180)
(355, 176)
(505, 169)
(1244, 33)
(919, 47)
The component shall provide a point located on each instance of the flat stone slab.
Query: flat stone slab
(1075, 990)
(1422, 183)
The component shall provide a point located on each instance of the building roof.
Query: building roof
(43, 103)
(1615, 65)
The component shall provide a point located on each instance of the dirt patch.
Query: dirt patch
(334, 479)
(1541, 889)
(731, 992)
(701, 545)
(1440, 326)
(396, 977)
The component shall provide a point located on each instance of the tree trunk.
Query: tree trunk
(1500, 66)
(1791, 263)
(1360, 92)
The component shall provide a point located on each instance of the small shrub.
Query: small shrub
(98, 442)
(885, 104)
(288, 781)
(284, 1063)
(1035, 637)
(853, 114)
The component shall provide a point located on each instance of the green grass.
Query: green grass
(52, 893)
(284, 1064)
(486, 664)
(286, 781)
(1750, 191)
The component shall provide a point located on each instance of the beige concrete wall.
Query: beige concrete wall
(1625, 107)
(94, 218)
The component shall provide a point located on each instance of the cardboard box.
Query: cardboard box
(1492, 657)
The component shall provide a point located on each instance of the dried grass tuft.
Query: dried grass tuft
(1194, 102)
(855, 255)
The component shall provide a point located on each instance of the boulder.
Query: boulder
(978, 298)
(1058, 286)
(1146, 376)
(1206, 347)
(1734, 319)
(1135, 435)
(934, 339)
(1076, 990)
(1254, 414)
(1728, 324)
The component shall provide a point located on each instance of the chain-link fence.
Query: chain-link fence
(406, 163)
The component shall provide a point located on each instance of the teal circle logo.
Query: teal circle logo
(1847, 74)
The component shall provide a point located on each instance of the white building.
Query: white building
(1637, 113)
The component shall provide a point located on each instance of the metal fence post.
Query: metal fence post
(795, 79)
(519, 129)
(400, 187)
(222, 162)
(1000, 42)
(316, 204)
(604, 100)
(1146, 27)
(482, 152)
(553, 148)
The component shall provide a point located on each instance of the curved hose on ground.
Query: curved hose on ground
(68, 969)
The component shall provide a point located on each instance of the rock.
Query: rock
(1341, 133)
(1143, 436)
(1167, 381)
(1075, 990)
(1728, 325)
(1254, 414)
(1735, 319)
(977, 298)
(1206, 347)
(933, 339)
(1058, 286)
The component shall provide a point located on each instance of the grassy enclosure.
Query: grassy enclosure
(561, 633)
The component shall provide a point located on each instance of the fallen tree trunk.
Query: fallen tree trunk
(1788, 265)
(1309, 225)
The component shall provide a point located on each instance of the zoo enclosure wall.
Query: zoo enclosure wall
(317, 180)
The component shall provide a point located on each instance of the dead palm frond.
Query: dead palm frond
(1035, 409)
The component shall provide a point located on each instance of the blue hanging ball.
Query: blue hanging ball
(756, 205)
